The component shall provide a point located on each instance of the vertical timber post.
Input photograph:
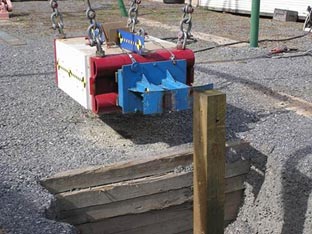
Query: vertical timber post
(209, 161)
(122, 8)
(254, 25)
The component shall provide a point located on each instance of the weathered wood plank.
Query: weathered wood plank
(136, 188)
(101, 175)
(233, 184)
(110, 30)
(123, 190)
(237, 168)
(126, 222)
(169, 226)
(130, 206)
(143, 222)
(232, 204)
(209, 161)
(185, 232)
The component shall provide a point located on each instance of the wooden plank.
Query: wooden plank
(126, 222)
(186, 232)
(169, 226)
(136, 188)
(110, 30)
(237, 168)
(123, 190)
(130, 206)
(209, 161)
(298, 105)
(234, 183)
(236, 144)
(151, 219)
(101, 175)
(232, 204)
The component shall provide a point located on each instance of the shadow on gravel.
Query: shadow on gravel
(297, 188)
(239, 120)
(256, 174)
(171, 128)
(15, 210)
(20, 211)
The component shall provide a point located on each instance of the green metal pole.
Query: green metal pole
(254, 27)
(122, 8)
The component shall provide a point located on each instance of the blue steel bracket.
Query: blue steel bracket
(131, 42)
(154, 88)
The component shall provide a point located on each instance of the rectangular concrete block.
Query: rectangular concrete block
(285, 15)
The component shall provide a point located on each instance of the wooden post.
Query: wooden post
(209, 161)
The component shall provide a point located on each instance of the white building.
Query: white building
(266, 7)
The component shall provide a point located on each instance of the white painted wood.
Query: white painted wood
(72, 58)
(266, 7)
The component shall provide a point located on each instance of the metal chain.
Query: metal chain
(95, 31)
(308, 20)
(185, 26)
(57, 18)
(172, 56)
(133, 14)
(134, 64)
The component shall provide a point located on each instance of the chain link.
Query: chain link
(134, 64)
(185, 26)
(95, 31)
(133, 14)
(172, 56)
(57, 18)
(308, 20)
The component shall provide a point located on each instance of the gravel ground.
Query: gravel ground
(43, 131)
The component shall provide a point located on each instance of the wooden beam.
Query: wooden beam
(232, 204)
(179, 217)
(123, 190)
(123, 171)
(237, 168)
(131, 206)
(135, 221)
(209, 161)
(136, 188)
(169, 226)
(101, 175)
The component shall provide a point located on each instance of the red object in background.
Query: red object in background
(279, 50)
(5, 8)
(103, 88)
